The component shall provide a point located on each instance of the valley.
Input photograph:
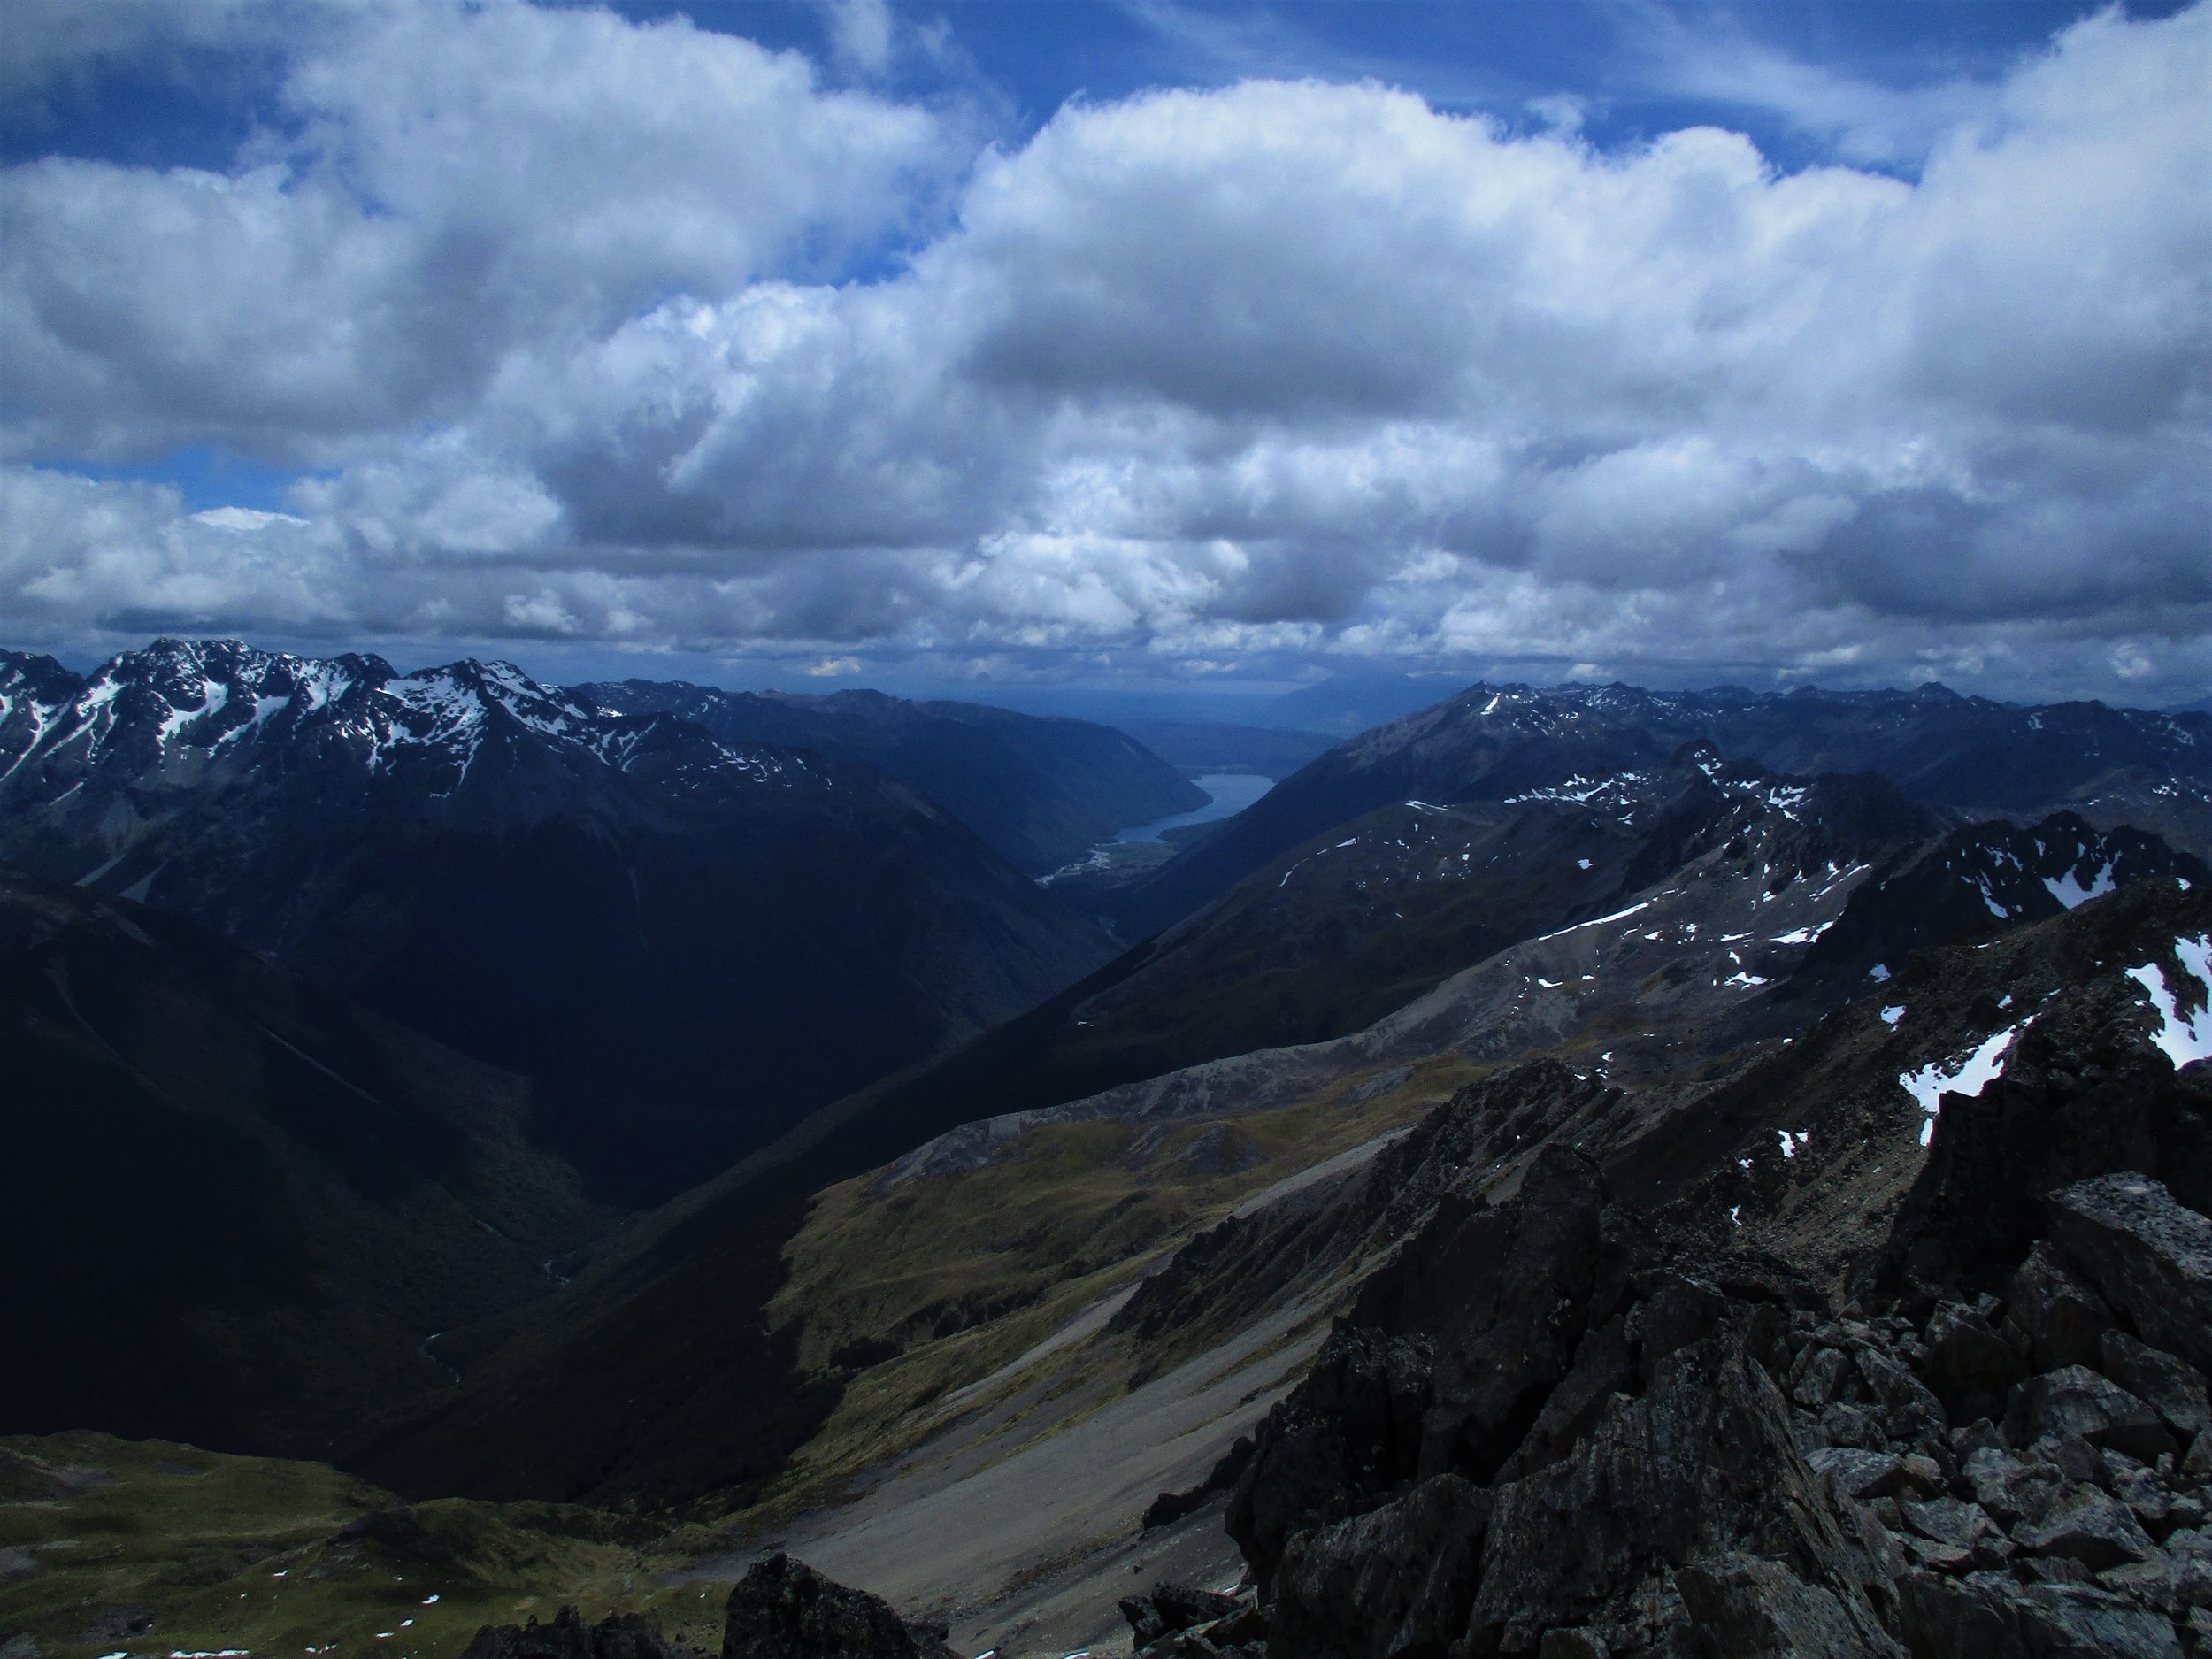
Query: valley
(949, 1336)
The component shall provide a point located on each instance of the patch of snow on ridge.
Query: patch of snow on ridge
(1594, 921)
(2184, 1038)
(1891, 1016)
(2069, 892)
(1931, 1083)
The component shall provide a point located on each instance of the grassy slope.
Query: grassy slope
(925, 1290)
(99, 1536)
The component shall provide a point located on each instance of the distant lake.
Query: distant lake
(1231, 793)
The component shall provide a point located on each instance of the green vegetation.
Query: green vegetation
(923, 1294)
(147, 1547)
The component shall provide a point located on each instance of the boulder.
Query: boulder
(1701, 1467)
(2013, 1489)
(2150, 1255)
(2169, 1386)
(1397, 1579)
(1743, 1607)
(618, 1636)
(1972, 1364)
(2086, 1527)
(1987, 1616)
(2062, 1316)
(782, 1609)
(2077, 1402)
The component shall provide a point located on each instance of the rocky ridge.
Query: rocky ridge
(1560, 1421)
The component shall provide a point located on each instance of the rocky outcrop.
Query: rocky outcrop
(1549, 1427)
(618, 1636)
(782, 1609)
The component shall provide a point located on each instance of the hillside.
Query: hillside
(242, 1204)
(687, 944)
(1039, 792)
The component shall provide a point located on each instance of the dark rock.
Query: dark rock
(618, 1636)
(1818, 1376)
(1910, 1412)
(1397, 1579)
(1743, 1607)
(1972, 1365)
(1985, 1616)
(1701, 1467)
(2171, 1387)
(2088, 1527)
(2063, 1317)
(782, 1609)
(1963, 1525)
(1860, 1474)
(1181, 1605)
(1170, 1506)
(2150, 1255)
(2078, 1402)
(2011, 1488)
(1348, 1433)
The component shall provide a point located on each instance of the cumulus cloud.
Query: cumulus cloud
(556, 304)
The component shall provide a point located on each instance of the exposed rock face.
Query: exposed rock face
(782, 1609)
(618, 1636)
(1552, 1426)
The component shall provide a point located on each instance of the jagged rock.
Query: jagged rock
(1963, 1525)
(1746, 1607)
(1859, 1474)
(1170, 1506)
(1818, 1375)
(1397, 1579)
(1910, 1412)
(2063, 1317)
(618, 1636)
(1351, 1429)
(1507, 1290)
(2150, 1255)
(1972, 1364)
(2170, 1386)
(2077, 1401)
(1701, 1467)
(1179, 1605)
(2086, 1527)
(1987, 1616)
(2011, 1488)
(782, 1609)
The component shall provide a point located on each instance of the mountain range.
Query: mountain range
(688, 943)
(1041, 792)
(1582, 1166)
(1967, 756)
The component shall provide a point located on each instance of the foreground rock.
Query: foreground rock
(618, 1636)
(1553, 1425)
(782, 1609)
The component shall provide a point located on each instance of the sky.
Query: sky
(1003, 346)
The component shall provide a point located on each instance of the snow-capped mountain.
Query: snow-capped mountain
(685, 941)
(1967, 756)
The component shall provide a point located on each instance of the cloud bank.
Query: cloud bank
(589, 330)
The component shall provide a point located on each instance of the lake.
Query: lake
(1231, 793)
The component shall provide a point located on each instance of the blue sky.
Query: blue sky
(1011, 345)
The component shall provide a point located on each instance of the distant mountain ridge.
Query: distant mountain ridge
(1041, 791)
(1972, 756)
(690, 943)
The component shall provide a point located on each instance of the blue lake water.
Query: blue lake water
(1231, 793)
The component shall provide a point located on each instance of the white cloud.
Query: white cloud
(1284, 368)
